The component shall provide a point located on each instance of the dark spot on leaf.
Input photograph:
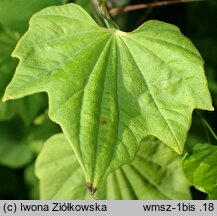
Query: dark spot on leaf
(92, 190)
(103, 121)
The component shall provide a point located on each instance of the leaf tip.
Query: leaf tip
(212, 109)
(5, 98)
(179, 151)
(92, 190)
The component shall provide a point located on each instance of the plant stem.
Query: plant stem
(156, 4)
(95, 11)
(104, 11)
(106, 15)
(206, 125)
(209, 128)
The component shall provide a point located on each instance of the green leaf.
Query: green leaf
(200, 168)
(8, 41)
(14, 152)
(41, 129)
(60, 164)
(27, 108)
(151, 175)
(109, 89)
(19, 144)
(15, 14)
(32, 182)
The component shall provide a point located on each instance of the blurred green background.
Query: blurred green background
(24, 123)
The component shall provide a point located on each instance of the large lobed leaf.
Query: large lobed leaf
(200, 168)
(109, 89)
(151, 175)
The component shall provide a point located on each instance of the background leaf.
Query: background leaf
(8, 40)
(19, 144)
(200, 168)
(32, 181)
(16, 13)
(26, 108)
(151, 175)
(14, 152)
(109, 104)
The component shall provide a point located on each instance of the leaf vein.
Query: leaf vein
(155, 102)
